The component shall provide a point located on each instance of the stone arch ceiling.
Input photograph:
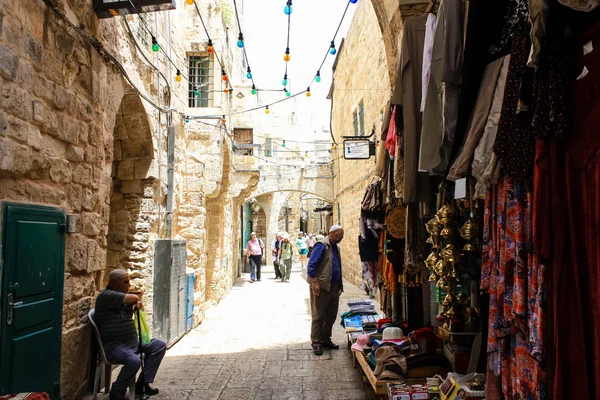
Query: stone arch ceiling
(321, 196)
(390, 23)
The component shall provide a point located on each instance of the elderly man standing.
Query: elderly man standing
(114, 317)
(325, 278)
(275, 251)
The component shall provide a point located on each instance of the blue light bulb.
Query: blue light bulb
(353, 1)
(332, 51)
(287, 10)
(240, 43)
(284, 82)
(249, 75)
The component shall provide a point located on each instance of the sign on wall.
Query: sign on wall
(357, 149)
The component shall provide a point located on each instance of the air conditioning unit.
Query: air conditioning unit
(170, 297)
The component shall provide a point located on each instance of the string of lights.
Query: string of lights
(286, 58)
(241, 44)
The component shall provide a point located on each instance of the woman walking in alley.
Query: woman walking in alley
(302, 245)
(254, 252)
(286, 255)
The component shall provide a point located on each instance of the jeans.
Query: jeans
(255, 263)
(126, 355)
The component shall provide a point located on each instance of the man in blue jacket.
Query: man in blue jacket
(325, 279)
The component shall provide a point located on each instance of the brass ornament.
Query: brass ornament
(396, 222)
(445, 215)
(469, 231)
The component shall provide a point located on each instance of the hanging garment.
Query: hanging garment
(441, 106)
(581, 5)
(390, 142)
(399, 166)
(462, 164)
(516, 282)
(407, 94)
(514, 145)
(568, 175)
(538, 15)
(485, 167)
(427, 54)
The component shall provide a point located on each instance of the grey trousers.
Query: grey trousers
(324, 308)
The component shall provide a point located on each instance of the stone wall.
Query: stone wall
(353, 177)
(75, 135)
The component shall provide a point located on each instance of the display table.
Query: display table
(379, 386)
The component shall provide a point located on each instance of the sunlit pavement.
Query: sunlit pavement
(255, 345)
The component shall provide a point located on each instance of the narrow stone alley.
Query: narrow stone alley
(255, 345)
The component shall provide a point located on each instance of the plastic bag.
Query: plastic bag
(145, 334)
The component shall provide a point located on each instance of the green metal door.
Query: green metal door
(31, 288)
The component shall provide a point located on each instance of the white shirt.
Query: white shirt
(427, 54)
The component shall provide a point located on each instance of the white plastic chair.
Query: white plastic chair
(103, 364)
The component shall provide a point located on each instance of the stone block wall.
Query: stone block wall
(352, 177)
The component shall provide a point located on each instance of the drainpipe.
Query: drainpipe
(170, 172)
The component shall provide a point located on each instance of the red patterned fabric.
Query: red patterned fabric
(390, 141)
(515, 280)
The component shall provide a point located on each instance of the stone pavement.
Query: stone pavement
(255, 345)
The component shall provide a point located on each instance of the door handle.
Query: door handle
(11, 306)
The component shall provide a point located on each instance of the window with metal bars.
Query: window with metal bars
(359, 119)
(200, 73)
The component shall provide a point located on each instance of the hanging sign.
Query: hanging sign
(357, 149)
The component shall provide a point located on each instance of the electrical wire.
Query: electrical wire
(334, 36)
(237, 16)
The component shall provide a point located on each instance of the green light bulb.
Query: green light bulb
(288, 93)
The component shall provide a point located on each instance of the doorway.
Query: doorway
(31, 293)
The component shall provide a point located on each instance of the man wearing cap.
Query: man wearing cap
(275, 251)
(325, 279)
(114, 317)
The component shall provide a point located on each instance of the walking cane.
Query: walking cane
(143, 384)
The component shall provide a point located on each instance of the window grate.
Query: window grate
(201, 73)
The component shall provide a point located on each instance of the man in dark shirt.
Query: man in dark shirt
(114, 317)
(325, 278)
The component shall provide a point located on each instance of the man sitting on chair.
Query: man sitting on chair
(114, 317)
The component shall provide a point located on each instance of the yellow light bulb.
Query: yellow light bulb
(190, 2)
(308, 94)
(286, 58)
(178, 78)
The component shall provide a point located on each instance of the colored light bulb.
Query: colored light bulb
(283, 144)
(288, 93)
(224, 75)
(226, 90)
(223, 120)
(284, 82)
(249, 74)
(332, 49)
(240, 42)
(190, 2)
(267, 111)
(253, 89)
(308, 92)
(155, 46)
(187, 120)
(288, 8)
(353, 1)
(286, 58)
(318, 78)
(306, 154)
(196, 92)
(178, 76)
(210, 47)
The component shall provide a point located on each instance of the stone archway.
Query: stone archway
(132, 202)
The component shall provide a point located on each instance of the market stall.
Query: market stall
(479, 237)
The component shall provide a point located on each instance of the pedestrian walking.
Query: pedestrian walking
(254, 252)
(311, 244)
(324, 273)
(302, 245)
(286, 255)
(275, 251)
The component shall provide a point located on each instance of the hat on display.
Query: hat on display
(335, 228)
(360, 343)
(392, 333)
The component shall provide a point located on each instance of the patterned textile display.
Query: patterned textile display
(516, 282)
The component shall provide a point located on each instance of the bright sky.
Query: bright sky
(313, 24)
